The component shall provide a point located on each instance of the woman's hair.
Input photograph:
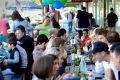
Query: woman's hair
(43, 66)
(54, 43)
(57, 42)
(16, 15)
(53, 51)
(53, 31)
(61, 32)
(28, 19)
(46, 17)
(80, 32)
(55, 24)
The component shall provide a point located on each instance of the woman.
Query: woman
(45, 67)
(43, 28)
(56, 42)
(59, 43)
(53, 33)
(4, 25)
(18, 20)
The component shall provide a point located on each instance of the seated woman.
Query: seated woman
(45, 67)
(59, 43)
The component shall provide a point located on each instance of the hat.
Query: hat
(99, 47)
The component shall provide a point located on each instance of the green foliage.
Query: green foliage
(73, 50)
(76, 61)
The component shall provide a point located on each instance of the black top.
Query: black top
(28, 44)
(118, 75)
(112, 19)
(16, 66)
(83, 19)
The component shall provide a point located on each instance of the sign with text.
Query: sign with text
(81, 0)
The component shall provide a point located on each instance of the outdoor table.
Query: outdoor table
(75, 69)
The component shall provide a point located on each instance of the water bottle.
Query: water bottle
(83, 67)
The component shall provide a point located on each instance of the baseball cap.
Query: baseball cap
(99, 47)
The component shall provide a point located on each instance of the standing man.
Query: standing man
(83, 19)
(112, 18)
(70, 17)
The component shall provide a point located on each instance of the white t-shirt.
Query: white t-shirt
(114, 70)
(110, 65)
(99, 68)
(69, 17)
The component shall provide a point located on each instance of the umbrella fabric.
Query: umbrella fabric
(25, 5)
(30, 5)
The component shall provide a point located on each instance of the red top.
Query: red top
(84, 40)
(3, 27)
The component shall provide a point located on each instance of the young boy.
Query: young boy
(13, 64)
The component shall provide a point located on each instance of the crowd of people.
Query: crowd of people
(40, 52)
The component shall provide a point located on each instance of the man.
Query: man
(101, 35)
(70, 17)
(111, 20)
(101, 53)
(116, 59)
(28, 44)
(83, 19)
(112, 37)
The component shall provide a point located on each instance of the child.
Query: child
(13, 64)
